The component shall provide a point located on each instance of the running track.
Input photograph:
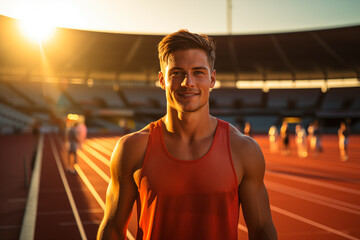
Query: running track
(311, 198)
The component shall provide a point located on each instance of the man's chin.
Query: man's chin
(190, 109)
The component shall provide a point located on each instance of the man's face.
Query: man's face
(187, 78)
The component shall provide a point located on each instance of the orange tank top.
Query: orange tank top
(188, 199)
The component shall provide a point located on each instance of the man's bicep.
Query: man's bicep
(123, 185)
(121, 193)
(254, 197)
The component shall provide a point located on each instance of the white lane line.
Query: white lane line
(311, 222)
(95, 145)
(89, 186)
(97, 155)
(110, 140)
(93, 166)
(315, 198)
(68, 190)
(314, 182)
(96, 195)
(29, 220)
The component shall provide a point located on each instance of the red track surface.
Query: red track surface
(311, 198)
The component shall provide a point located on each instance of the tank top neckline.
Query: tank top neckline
(161, 132)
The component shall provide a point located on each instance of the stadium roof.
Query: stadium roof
(320, 54)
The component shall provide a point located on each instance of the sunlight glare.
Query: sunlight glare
(37, 29)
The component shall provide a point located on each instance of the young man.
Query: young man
(188, 172)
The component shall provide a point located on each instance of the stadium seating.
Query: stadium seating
(341, 98)
(236, 98)
(10, 96)
(96, 96)
(293, 98)
(144, 97)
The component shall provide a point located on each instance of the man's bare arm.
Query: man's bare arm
(252, 192)
(122, 190)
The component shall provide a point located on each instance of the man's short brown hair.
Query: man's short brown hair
(184, 40)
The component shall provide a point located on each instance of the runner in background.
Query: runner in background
(343, 134)
(273, 139)
(301, 141)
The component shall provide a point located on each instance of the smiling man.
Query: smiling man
(188, 172)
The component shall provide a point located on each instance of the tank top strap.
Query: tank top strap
(222, 123)
(154, 126)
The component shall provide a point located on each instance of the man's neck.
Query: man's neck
(189, 126)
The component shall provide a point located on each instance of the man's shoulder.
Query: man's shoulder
(240, 140)
(130, 150)
(135, 139)
(245, 150)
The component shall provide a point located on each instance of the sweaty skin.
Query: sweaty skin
(188, 130)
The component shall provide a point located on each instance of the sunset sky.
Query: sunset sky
(205, 16)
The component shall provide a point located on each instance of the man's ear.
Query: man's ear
(213, 78)
(161, 80)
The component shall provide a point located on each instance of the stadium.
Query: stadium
(261, 78)
(109, 81)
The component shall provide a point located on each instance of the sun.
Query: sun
(36, 19)
(37, 28)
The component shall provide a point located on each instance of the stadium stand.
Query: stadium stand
(129, 62)
(11, 97)
(51, 92)
(32, 91)
(11, 118)
(106, 125)
(96, 96)
(341, 99)
(144, 97)
(293, 98)
(236, 98)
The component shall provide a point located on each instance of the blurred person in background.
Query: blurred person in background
(73, 141)
(188, 172)
(310, 135)
(248, 129)
(284, 135)
(316, 144)
(343, 134)
(273, 139)
(301, 141)
(82, 133)
(35, 128)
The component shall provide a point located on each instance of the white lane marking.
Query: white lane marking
(97, 155)
(311, 222)
(312, 197)
(96, 195)
(314, 182)
(89, 186)
(68, 190)
(101, 174)
(93, 166)
(111, 141)
(105, 148)
(29, 220)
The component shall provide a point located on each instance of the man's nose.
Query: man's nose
(187, 81)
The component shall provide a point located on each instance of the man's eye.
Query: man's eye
(176, 74)
(199, 72)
